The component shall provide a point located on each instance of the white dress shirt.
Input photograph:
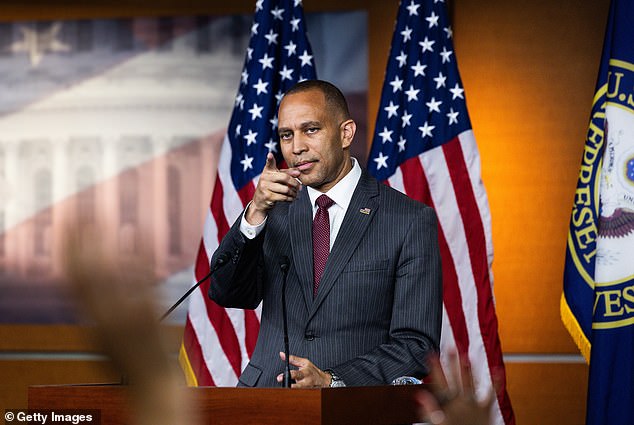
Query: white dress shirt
(341, 194)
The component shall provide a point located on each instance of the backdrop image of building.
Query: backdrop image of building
(119, 123)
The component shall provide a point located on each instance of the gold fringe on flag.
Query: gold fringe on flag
(190, 376)
(571, 324)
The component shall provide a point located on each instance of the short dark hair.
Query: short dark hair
(335, 100)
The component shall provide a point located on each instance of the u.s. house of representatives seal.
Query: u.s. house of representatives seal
(614, 272)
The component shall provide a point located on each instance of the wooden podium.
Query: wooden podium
(350, 405)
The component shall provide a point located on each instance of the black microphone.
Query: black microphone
(284, 265)
(223, 258)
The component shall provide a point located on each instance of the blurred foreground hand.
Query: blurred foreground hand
(452, 400)
(118, 294)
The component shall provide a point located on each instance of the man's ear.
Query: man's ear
(348, 129)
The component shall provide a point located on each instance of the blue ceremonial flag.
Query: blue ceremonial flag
(424, 146)
(597, 305)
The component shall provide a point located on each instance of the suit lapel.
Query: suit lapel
(300, 226)
(361, 210)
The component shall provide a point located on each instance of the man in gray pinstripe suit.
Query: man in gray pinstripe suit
(376, 313)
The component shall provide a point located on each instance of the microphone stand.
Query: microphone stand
(223, 258)
(287, 371)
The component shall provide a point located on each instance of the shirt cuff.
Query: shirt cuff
(247, 229)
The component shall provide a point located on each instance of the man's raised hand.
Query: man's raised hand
(275, 185)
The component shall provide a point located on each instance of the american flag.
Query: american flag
(218, 342)
(424, 147)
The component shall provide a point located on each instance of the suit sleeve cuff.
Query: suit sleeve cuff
(248, 230)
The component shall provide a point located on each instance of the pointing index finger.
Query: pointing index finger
(270, 162)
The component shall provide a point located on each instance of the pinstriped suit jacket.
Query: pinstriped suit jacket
(378, 310)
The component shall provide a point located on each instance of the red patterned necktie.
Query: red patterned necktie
(321, 239)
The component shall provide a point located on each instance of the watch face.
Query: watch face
(336, 381)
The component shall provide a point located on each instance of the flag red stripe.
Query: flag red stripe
(202, 262)
(251, 322)
(218, 211)
(195, 356)
(476, 242)
(452, 297)
(218, 316)
(226, 334)
(246, 193)
(252, 327)
(417, 187)
(415, 181)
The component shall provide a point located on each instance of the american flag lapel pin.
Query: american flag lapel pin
(365, 211)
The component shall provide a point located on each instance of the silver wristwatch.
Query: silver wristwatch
(335, 380)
